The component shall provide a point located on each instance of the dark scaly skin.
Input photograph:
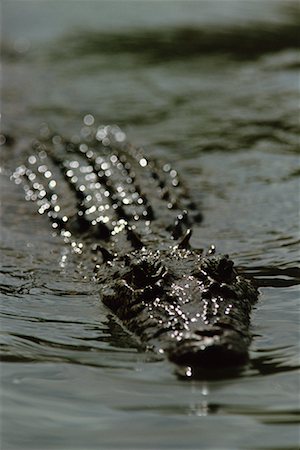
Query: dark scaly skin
(133, 213)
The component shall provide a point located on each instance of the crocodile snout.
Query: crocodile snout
(215, 349)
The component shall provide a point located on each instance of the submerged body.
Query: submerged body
(136, 216)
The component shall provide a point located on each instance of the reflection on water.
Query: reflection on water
(243, 42)
(218, 101)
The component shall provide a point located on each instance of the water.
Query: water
(212, 87)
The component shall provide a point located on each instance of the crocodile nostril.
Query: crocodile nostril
(209, 333)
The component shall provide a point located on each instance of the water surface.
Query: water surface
(213, 88)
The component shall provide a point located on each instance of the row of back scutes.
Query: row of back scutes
(85, 191)
(45, 185)
(165, 197)
(100, 185)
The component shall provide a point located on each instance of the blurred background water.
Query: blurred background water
(212, 87)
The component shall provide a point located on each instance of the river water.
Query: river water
(212, 87)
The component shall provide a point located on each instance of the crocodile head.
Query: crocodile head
(215, 304)
(192, 307)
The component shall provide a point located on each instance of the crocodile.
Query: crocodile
(136, 215)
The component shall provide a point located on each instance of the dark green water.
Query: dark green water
(212, 87)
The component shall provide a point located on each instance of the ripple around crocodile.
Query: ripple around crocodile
(136, 215)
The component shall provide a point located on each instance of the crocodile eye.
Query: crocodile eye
(140, 275)
(199, 274)
(144, 273)
(225, 268)
(220, 269)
